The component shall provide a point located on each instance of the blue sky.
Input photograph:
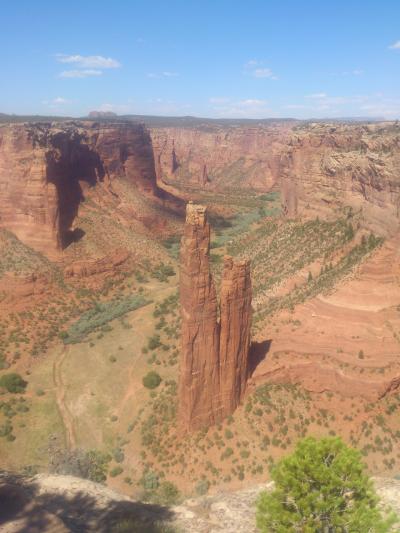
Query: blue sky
(214, 58)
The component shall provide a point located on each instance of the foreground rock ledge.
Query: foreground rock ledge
(214, 361)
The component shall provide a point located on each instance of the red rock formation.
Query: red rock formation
(108, 264)
(318, 167)
(318, 378)
(43, 168)
(326, 166)
(235, 327)
(235, 156)
(214, 358)
(204, 177)
(199, 378)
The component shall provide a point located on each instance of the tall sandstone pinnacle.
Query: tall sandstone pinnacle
(214, 360)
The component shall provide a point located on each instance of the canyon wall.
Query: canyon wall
(318, 167)
(220, 157)
(214, 358)
(44, 169)
(325, 167)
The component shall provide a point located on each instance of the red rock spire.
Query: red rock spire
(214, 358)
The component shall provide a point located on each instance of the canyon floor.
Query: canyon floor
(324, 358)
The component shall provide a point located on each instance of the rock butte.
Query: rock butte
(214, 361)
(46, 167)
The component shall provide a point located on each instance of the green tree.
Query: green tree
(13, 382)
(321, 488)
(151, 380)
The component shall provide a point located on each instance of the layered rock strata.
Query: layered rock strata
(214, 360)
(317, 167)
(44, 168)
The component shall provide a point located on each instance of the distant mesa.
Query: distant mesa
(102, 114)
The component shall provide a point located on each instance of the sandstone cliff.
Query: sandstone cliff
(327, 166)
(318, 167)
(220, 157)
(45, 169)
(235, 332)
(214, 360)
(199, 373)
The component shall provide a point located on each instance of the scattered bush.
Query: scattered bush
(151, 380)
(13, 383)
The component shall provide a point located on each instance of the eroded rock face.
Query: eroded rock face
(326, 166)
(221, 157)
(318, 167)
(44, 168)
(214, 360)
(236, 314)
(199, 400)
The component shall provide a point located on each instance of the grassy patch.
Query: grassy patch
(100, 315)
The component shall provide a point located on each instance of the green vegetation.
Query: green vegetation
(151, 380)
(321, 487)
(100, 315)
(13, 383)
(18, 258)
(96, 465)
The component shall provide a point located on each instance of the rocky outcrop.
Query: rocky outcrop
(224, 157)
(214, 360)
(328, 166)
(235, 332)
(199, 401)
(318, 378)
(45, 168)
(318, 167)
(108, 264)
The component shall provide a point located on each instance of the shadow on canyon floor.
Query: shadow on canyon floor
(23, 508)
(258, 352)
(71, 236)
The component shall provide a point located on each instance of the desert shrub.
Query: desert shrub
(96, 465)
(202, 487)
(118, 455)
(168, 493)
(100, 315)
(154, 342)
(13, 382)
(116, 471)
(151, 380)
(150, 480)
(321, 487)
(91, 464)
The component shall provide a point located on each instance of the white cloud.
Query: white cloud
(264, 73)
(219, 100)
(56, 102)
(357, 72)
(255, 68)
(252, 102)
(395, 46)
(80, 73)
(88, 62)
(245, 108)
(165, 74)
(295, 106)
(316, 96)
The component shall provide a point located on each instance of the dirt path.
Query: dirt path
(70, 439)
(143, 313)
